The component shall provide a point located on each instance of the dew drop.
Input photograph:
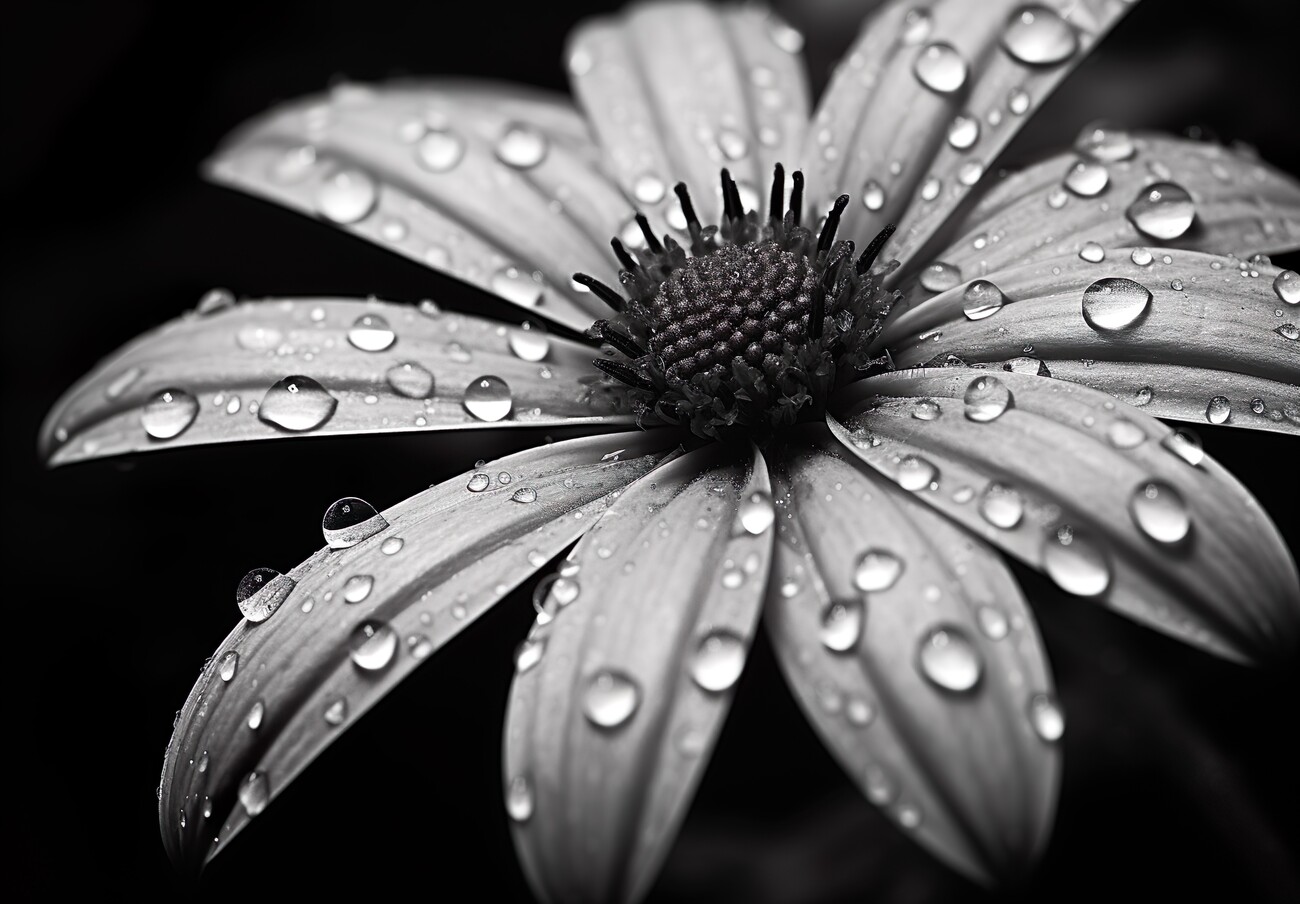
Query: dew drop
(1075, 563)
(1163, 211)
(440, 150)
(521, 146)
(1027, 365)
(948, 659)
(926, 410)
(347, 196)
(1288, 331)
(419, 645)
(1087, 179)
(981, 299)
(649, 189)
(169, 413)
(372, 645)
(519, 799)
(488, 398)
(358, 587)
(1160, 512)
(528, 654)
(880, 788)
(478, 482)
(1046, 718)
(841, 624)
(1018, 101)
(1124, 434)
(254, 793)
(524, 494)
(940, 277)
(877, 570)
(410, 380)
(986, 399)
(529, 341)
(718, 660)
(1287, 286)
(940, 68)
(256, 714)
(1115, 303)
(258, 338)
(1001, 506)
(917, 25)
(992, 621)
(1092, 253)
(1218, 410)
(214, 301)
(1141, 257)
(1038, 36)
(371, 333)
(229, 666)
(261, 592)
(757, 513)
(336, 712)
(963, 131)
(297, 403)
(1185, 445)
(350, 520)
(1105, 143)
(873, 195)
(610, 698)
(915, 473)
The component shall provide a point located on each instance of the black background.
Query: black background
(1179, 778)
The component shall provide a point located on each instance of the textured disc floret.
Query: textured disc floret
(752, 327)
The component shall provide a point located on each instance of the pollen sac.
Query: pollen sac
(741, 303)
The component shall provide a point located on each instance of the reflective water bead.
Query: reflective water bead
(410, 380)
(521, 146)
(350, 520)
(528, 654)
(1288, 331)
(229, 666)
(963, 131)
(649, 189)
(478, 482)
(256, 714)
(1001, 506)
(873, 195)
(757, 513)
(347, 196)
(1185, 445)
(992, 621)
(261, 592)
(488, 398)
(1124, 434)
(1075, 563)
(948, 659)
(981, 299)
(1105, 143)
(986, 399)
(1218, 410)
(940, 277)
(358, 587)
(841, 624)
(372, 645)
(524, 494)
(168, 413)
(917, 25)
(297, 403)
(1092, 253)
(940, 68)
(519, 799)
(215, 300)
(1141, 257)
(718, 660)
(1038, 36)
(610, 698)
(1046, 718)
(1163, 211)
(1087, 179)
(876, 570)
(1115, 303)
(254, 793)
(915, 473)
(419, 645)
(926, 410)
(1287, 286)
(371, 333)
(1160, 512)
(529, 341)
(518, 286)
(440, 150)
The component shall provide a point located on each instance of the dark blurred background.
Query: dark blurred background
(1180, 778)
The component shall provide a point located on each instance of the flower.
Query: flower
(900, 632)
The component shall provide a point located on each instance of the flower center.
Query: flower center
(753, 328)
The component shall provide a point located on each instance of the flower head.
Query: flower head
(845, 444)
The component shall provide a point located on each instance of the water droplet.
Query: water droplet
(1141, 257)
(970, 172)
(1163, 211)
(1115, 303)
(519, 799)
(517, 286)
(528, 654)
(524, 494)
(214, 301)
(909, 816)
(757, 513)
(1002, 506)
(1287, 286)
(1288, 331)
(358, 587)
(419, 645)
(915, 473)
(783, 36)
(203, 762)
(963, 131)
(1105, 143)
(940, 277)
(718, 660)
(529, 341)
(981, 299)
(1018, 101)
(880, 788)
(294, 164)
(841, 624)
(297, 403)
(859, 712)
(940, 68)
(993, 622)
(987, 399)
(926, 410)
(1087, 179)
(930, 188)
(349, 521)
(258, 338)
(1046, 718)
(1038, 36)
(254, 793)
(410, 380)
(336, 712)
(372, 645)
(1027, 365)
(873, 195)
(1185, 445)
(371, 333)
(916, 26)
(733, 145)
(649, 189)
(261, 592)
(229, 666)
(1218, 410)
(440, 150)
(1057, 198)
(1124, 434)
(876, 570)
(347, 196)
(168, 413)
(1160, 512)
(478, 482)
(256, 714)
(521, 146)
(488, 398)
(610, 698)
(1092, 253)
(948, 659)
(1075, 563)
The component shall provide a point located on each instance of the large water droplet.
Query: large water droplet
(349, 521)
(1002, 506)
(521, 146)
(524, 494)
(410, 380)
(297, 403)
(948, 659)
(915, 473)
(649, 189)
(347, 196)
(371, 333)
(1046, 718)
(940, 277)
(986, 399)
(963, 131)
(440, 150)
(1218, 410)
(876, 569)
(372, 645)
(1115, 303)
(254, 793)
(1038, 36)
(841, 624)
(529, 341)
(1163, 211)
(518, 286)
(610, 698)
(718, 660)
(1087, 179)
(261, 592)
(168, 413)
(488, 398)
(1160, 512)
(757, 513)
(1287, 286)
(1092, 253)
(1076, 563)
(519, 799)
(940, 68)
(981, 299)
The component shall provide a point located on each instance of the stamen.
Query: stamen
(731, 206)
(831, 278)
(832, 225)
(778, 193)
(873, 250)
(688, 209)
(624, 373)
(626, 261)
(796, 196)
(650, 241)
(601, 291)
(621, 341)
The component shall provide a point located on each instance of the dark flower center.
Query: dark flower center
(751, 328)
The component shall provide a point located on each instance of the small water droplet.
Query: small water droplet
(519, 799)
(1087, 179)
(877, 570)
(529, 341)
(254, 793)
(917, 25)
(926, 410)
(347, 196)
(392, 546)
(981, 299)
(873, 195)
(521, 146)
(986, 399)
(1124, 434)
(1038, 36)
(1001, 506)
(168, 413)
(783, 36)
(1018, 101)
(1141, 257)
(1287, 286)
(371, 333)
(915, 473)
(1218, 410)
(880, 788)
(203, 762)
(757, 513)
(419, 645)
(1288, 331)
(940, 68)
(261, 592)
(1185, 445)
(1105, 143)
(255, 715)
(841, 624)
(350, 520)
(524, 494)
(940, 277)
(948, 659)
(214, 301)
(649, 189)
(478, 482)
(718, 660)
(1163, 211)
(1115, 303)
(909, 816)
(1046, 718)
(1160, 512)
(336, 712)
(610, 698)
(297, 403)
(440, 150)
(528, 654)
(488, 398)
(993, 622)
(410, 380)
(372, 645)
(1076, 563)
(358, 587)
(229, 666)
(733, 145)
(930, 188)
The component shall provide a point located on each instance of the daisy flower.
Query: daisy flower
(831, 377)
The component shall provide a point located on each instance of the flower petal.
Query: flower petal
(927, 98)
(910, 647)
(497, 185)
(1186, 335)
(356, 621)
(1103, 498)
(1238, 204)
(676, 91)
(371, 366)
(611, 722)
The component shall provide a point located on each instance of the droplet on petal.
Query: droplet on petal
(915, 473)
(372, 645)
(948, 659)
(1076, 563)
(297, 403)
(254, 793)
(529, 341)
(1038, 36)
(1160, 512)
(1115, 303)
(410, 379)
(1046, 718)
(347, 196)
(1002, 506)
(1287, 286)
(488, 398)
(1163, 211)
(941, 68)
(261, 592)
(1186, 445)
(371, 333)
(877, 570)
(940, 277)
(1218, 410)
(718, 660)
(757, 513)
(521, 146)
(986, 399)
(519, 799)
(981, 299)
(841, 624)
(610, 698)
(169, 413)
(349, 521)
